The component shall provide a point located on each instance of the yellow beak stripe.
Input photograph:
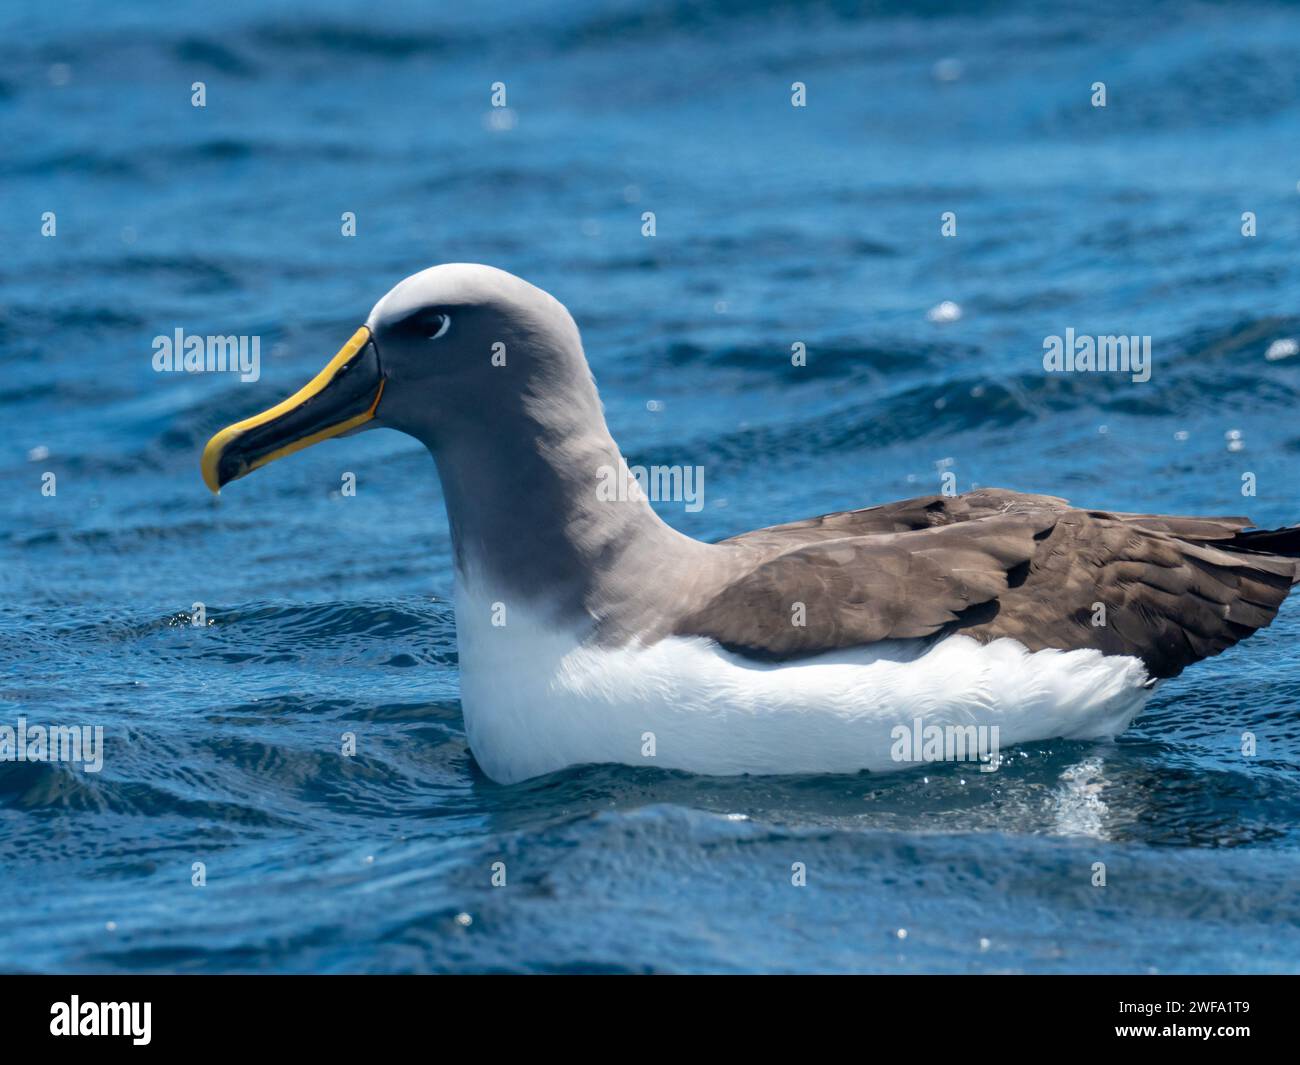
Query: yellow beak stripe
(212, 452)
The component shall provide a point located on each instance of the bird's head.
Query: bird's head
(452, 346)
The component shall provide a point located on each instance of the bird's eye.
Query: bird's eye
(425, 323)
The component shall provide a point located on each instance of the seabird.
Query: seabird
(590, 631)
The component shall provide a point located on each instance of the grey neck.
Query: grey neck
(529, 523)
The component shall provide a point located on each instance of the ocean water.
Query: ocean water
(328, 614)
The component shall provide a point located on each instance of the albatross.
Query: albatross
(590, 631)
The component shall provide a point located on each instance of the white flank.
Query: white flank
(536, 700)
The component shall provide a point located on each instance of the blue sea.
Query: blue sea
(327, 613)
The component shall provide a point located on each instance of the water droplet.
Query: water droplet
(1282, 349)
(947, 311)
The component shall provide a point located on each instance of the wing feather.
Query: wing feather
(992, 564)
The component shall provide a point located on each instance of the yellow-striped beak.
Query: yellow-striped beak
(341, 397)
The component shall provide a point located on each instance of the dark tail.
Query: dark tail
(1284, 542)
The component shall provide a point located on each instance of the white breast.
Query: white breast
(536, 700)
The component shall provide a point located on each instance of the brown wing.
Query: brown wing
(996, 564)
(1169, 590)
(907, 515)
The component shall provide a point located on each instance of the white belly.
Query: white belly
(535, 700)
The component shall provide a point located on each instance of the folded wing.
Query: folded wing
(992, 564)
